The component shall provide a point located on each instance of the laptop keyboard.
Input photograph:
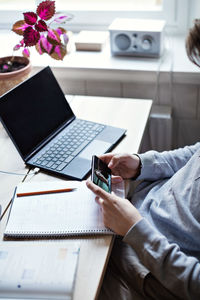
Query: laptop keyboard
(68, 145)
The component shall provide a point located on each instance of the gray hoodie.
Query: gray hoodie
(167, 239)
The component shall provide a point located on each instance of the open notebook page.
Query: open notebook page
(57, 214)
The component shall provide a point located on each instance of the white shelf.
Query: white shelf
(102, 65)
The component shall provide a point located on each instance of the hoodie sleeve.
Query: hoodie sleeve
(158, 165)
(175, 270)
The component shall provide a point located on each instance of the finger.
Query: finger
(116, 179)
(106, 157)
(114, 161)
(98, 191)
(99, 200)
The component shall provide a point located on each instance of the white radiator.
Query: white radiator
(158, 134)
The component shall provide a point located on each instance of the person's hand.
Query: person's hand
(124, 165)
(118, 214)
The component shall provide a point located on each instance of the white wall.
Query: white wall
(194, 13)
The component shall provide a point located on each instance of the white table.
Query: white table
(131, 114)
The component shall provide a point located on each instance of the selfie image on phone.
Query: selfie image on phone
(101, 174)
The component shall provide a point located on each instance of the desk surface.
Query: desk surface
(131, 114)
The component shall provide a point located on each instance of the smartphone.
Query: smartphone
(101, 174)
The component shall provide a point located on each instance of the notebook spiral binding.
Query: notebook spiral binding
(54, 234)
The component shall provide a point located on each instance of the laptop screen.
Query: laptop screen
(34, 110)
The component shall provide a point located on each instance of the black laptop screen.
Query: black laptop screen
(35, 109)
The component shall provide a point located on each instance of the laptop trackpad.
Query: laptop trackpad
(96, 147)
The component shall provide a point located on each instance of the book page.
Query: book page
(44, 270)
(74, 212)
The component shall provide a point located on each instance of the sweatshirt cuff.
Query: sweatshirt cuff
(142, 235)
(147, 160)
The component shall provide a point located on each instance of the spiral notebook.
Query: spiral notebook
(57, 214)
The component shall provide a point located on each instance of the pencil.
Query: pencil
(45, 192)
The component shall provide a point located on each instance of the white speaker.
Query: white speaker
(137, 37)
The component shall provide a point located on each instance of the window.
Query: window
(98, 14)
(13, 4)
(10, 12)
(110, 4)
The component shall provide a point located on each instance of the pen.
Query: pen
(45, 192)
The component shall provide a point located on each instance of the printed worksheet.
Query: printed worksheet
(38, 270)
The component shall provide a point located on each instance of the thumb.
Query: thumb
(99, 192)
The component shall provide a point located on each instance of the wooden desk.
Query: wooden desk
(131, 114)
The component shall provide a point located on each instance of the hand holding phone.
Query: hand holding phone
(101, 174)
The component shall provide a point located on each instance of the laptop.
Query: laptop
(46, 132)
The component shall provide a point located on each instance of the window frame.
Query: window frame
(91, 19)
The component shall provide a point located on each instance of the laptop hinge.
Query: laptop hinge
(48, 139)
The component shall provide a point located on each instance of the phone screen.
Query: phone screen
(101, 174)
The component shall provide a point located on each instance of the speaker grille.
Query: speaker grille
(122, 41)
